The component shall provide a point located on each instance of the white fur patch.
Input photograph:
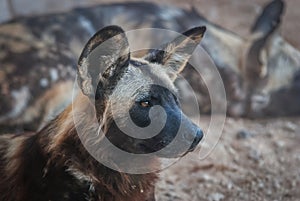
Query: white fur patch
(53, 74)
(21, 98)
(87, 25)
(44, 82)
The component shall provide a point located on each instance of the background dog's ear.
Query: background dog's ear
(103, 60)
(266, 24)
(175, 54)
(269, 19)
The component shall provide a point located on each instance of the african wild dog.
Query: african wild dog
(53, 164)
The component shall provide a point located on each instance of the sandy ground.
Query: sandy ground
(254, 160)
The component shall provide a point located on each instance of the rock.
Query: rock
(289, 126)
(254, 155)
(229, 186)
(207, 178)
(279, 144)
(261, 185)
(244, 134)
(276, 184)
(216, 197)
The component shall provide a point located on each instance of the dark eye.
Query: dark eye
(145, 104)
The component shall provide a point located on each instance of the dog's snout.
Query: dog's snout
(199, 135)
(196, 139)
(191, 136)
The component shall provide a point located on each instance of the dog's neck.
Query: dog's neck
(62, 143)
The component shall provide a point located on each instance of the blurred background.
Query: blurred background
(233, 14)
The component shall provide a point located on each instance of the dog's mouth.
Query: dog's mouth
(154, 148)
(173, 151)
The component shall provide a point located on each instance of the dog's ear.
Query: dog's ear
(103, 60)
(266, 24)
(269, 19)
(175, 54)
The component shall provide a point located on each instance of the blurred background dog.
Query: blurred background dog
(260, 72)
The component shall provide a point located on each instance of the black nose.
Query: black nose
(197, 139)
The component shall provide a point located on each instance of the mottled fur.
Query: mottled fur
(53, 164)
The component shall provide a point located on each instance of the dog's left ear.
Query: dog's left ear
(175, 54)
(103, 60)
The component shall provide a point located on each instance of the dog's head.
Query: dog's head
(137, 96)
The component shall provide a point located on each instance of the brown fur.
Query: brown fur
(54, 164)
(27, 160)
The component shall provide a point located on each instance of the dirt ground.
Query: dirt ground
(253, 160)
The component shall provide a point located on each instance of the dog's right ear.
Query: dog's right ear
(103, 60)
(175, 54)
